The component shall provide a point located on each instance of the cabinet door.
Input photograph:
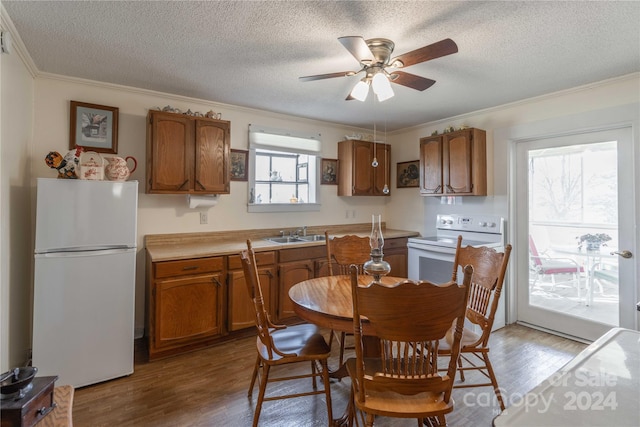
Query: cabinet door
(188, 309)
(290, 274)
(431, 166)
(396, 254)
(241, 310)
(212, 157)
(381, 175)
(362, 170)
(169, 153)
(457, 163)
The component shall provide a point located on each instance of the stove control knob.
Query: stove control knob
(492, 224)
(483, 224)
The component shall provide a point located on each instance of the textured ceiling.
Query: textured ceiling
(251, 53)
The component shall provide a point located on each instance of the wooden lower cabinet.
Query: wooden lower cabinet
(296, 265)
(195, 303)
(184, 305)
(290, 274)
(240, 310)
(396, 254)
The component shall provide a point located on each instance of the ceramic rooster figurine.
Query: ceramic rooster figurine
(67, 165)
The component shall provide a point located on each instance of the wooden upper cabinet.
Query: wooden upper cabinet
(212, 157)
(186, 154)
(431, 165)
(454, 164)
(356, 176)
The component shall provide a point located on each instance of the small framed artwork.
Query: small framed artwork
(94, 127)
(239, 165)
(408, 174)
(329, 168)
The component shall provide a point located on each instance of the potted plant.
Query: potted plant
(593, 241)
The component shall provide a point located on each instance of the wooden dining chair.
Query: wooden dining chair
(489, 270)
(410, 319)
(341, 253)
(281, 345)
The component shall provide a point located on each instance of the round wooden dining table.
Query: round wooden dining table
(326, 301)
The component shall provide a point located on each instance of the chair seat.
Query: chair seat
(551, 266)
(389, 403)
(297, 340)
(468, 337)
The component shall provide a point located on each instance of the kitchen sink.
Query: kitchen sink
(293, 239)
(283, 239)
(312, 238)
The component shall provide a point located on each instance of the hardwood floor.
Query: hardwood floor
(209, 388)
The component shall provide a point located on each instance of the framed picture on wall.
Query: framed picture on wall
(93, 127)
(329, 168)
(408, 174)
(239, 165)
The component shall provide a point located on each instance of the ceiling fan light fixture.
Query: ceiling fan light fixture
(360, 90)
(382, 87)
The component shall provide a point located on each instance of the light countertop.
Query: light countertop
(169, 247)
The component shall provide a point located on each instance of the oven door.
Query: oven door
(432, 263)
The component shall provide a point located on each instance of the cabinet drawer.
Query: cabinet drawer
(306, 253)
(188, 267)
(262, 258)
(400, 242)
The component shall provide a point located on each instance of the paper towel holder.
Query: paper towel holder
(199, 201)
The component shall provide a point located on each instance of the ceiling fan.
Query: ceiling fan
(374, 56)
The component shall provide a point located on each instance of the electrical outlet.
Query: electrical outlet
(204, 217)
(346, 214)
(353, 213)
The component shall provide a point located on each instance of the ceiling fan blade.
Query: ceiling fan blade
(426, 53)
(358, 48)
(411, 80)
(326, 76)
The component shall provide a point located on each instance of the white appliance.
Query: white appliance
(431, 258)
(84, 280)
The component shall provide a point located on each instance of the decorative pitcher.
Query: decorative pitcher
(117, 169)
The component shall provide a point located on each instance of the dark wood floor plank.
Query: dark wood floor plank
(209, 387)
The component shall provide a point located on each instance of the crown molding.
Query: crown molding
(18, 45)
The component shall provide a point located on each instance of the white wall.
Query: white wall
(16, 123)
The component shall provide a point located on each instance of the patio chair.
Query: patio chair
(546, 266)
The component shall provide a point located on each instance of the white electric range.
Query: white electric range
(431, 258)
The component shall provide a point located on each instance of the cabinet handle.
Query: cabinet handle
(217, 282)
(438, 188)
(270, 274)
(44, 410)
(183, 184)
(450, 189)
(202, 187)
(191, 267)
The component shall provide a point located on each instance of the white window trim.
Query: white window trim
(296, 140)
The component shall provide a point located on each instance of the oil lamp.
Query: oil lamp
(376, 266)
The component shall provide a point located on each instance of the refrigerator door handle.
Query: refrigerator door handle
(81, 254)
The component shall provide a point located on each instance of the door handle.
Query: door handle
(623, 254)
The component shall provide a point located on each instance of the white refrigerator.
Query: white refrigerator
(84, 279)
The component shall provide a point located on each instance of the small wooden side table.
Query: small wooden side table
(36, 404)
